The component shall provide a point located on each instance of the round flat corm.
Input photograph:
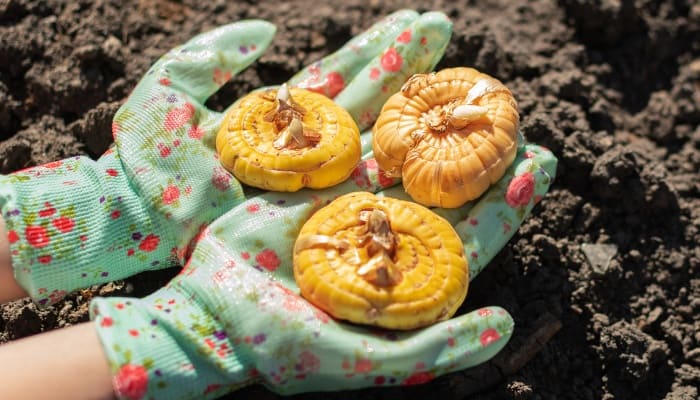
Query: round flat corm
(288, 139)
(381, 261)
(449, 135)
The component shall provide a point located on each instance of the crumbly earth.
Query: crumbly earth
(603, 280)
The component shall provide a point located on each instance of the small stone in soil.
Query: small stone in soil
(599, 255)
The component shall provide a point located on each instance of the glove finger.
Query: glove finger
(498, 214)
(417, 50)
(206, 62)
(330, 74)
(353, 357)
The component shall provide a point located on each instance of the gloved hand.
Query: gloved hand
(233, 317)
(79, 222)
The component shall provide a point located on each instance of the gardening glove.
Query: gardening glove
(78, 222)
(234, 316)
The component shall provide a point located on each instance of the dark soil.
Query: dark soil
(603, 280)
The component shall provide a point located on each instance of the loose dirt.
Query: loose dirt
(603, 280)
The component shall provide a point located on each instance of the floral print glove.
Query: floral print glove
(234, 317)
(79, 222)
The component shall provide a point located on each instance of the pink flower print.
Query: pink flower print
(37, 236)
(253, 208)
(506, 228)
(131, 382)
(334, 83)
(47, 211)
(520, 190)
(374, 74)
(268, 259)
(308, 363)
(56, 296)
(315, 70)
(221, 179)
(221, 77)
(115, 129)
(418, 378)
(149, 243)
(371, 164)
(45, 259)
(404, 37)
(106, 322)
(12, 237)
(359, 176)
(221, 276)
(363, 366)
(63, 224)
(329, 86)
(384, 179)
(489, 336)
(171, 194)
(164, 150)
(321, 316)
(211, 388)
(423, 41)
(165, 81)
(54, 164)
(195, 132)
(292, 302)
(112, 172)
(484, 312)
(177, 117)
(115, 214)
(391, 61)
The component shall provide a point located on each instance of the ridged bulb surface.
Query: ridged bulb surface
(333, 263)
(449, 135)
(248, 142)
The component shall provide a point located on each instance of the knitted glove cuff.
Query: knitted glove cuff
(166, 347)
(75, 223)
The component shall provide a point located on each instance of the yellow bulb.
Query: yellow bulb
(381, 261)
(288, 139)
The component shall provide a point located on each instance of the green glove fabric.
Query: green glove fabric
(79, 222)
(234, 317)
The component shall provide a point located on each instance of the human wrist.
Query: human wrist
(9, 289)
(67, 363)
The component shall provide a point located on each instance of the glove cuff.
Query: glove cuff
(166, 347)
(75, 223)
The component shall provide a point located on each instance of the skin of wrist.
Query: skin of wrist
(9, 288)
